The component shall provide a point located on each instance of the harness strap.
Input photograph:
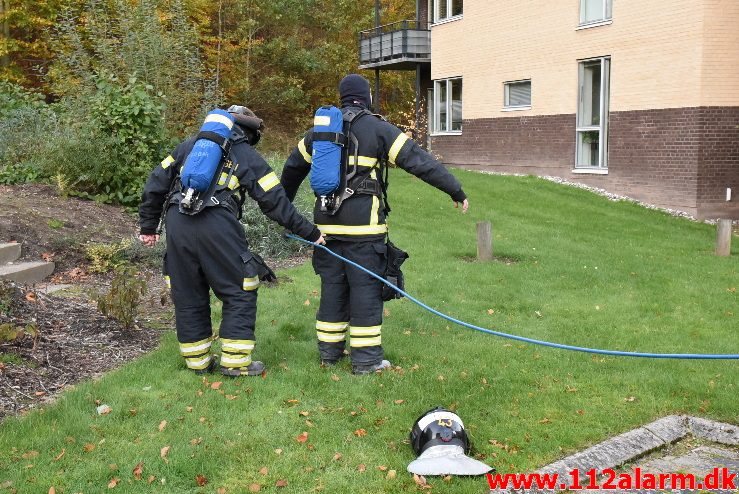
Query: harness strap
(334, 137)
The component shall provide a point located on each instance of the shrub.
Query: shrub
(122, 301)
(106, 257)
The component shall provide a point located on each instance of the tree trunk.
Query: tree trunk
(4, 9)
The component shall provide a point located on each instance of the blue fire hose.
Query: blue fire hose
(616, 353)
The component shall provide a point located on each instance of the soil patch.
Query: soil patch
(43, 222)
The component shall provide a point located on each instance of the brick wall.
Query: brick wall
(680, 158)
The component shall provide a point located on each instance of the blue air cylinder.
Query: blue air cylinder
(325, 173)
(202, 162)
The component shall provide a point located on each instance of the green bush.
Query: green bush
(122, 301)
(106, 257)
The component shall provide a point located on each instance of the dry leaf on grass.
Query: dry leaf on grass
(59, 456)
(391, 475)
(164, 452)
(302, 437)
(303, 413)
(138, 470)
(264, 470)
(399, 402)
(162, 425)
(30, 455)
(334, 377)
(337, 456)
(545, 420)
(255, 487)
(281, 483)
(88, 447)
(201, 480)
(278, 451)
(196, 441)
(362, 467)
(113, 482)
(150, 479)
(360, 432)
(216, 385)
(420, 480)
(221, 490)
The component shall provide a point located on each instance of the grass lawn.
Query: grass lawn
(587, 272)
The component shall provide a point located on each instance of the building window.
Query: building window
(445, 9)
(517, 94)
(592, 114)
(593, 11)
(447, 106)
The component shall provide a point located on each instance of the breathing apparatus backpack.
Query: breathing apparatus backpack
(200, 172)
(332, 178)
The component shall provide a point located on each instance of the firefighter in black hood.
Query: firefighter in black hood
(208, 250)
(351, 301)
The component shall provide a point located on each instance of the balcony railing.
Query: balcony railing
(399, 46)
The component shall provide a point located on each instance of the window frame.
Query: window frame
(434, 11)
(447, 106)
(506, 95)
(607, 14)
(604, 114)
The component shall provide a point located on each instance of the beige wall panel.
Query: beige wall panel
(721, 53)
(656, 49)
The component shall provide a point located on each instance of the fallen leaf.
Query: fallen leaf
(201, 420)
(221, 490)
(278, 451)
(113, 482)
(391, 475)
(216, 385)
(440, 377)
(334, 377)
(302, 437)
(164, 452)
(545, 420)
(292, 403)
(255, 487)
(59, 456)
(360, 432)
(307, 302)
(264, 470)
(382, 468)
(281, 483)
(201, 480)
(162, 425)
(132, 412)
(104, 409)
(31, 297)
(231, 397)
(309, 423)
(138, 471)
(150, 479)
(303, 413)
(630, 399)
(581, 412)
(29, 455)
(47, 256)
(88, 447)
(188, 409)
(386, 313)
(447, 478)
(40, 393)
(491, 312)
(337, 456)
(362, 467)
(420, 480)
(196, 441)
(399, 402)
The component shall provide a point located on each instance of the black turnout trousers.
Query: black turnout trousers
(351, 301)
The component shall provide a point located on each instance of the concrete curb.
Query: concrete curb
(9, 252)
(638, 442)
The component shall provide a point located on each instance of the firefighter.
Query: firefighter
(351, 301)
(208, 250)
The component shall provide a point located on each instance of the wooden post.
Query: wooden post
(723, 238)
(484, 241)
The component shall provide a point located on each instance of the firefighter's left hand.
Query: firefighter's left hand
(149, 240)
(465, 205)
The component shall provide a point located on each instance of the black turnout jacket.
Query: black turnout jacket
(361, 216)
(252, 175)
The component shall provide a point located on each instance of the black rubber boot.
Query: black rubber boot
(369, 369)
(254, 369)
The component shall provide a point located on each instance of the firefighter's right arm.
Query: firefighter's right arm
(297, 167)
(264, 187)
(156, 190)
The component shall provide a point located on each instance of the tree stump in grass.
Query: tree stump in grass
(484, 241)
(723, 238)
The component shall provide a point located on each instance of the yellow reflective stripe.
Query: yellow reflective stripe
(167, 161)
(195, 348)
(301, 147)
(268, 181)
(364, 331)
(221, 119)
(235, 362)
(352, 229)
(363, 342)
(363, 161)
(331, 327)
(396, 147)
(251, 283)
(236, 345)
(197, 363)
(374, 217)
(330, 338)
(168, 281)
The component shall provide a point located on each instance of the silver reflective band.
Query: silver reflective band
(447, 460)
(433, 417)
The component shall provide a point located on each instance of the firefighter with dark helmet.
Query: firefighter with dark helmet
(207, 248)
(351, 301)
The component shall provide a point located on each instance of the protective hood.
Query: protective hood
(447, 460)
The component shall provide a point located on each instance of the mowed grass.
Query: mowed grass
(587, 272)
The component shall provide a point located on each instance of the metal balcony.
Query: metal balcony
(397, 46)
